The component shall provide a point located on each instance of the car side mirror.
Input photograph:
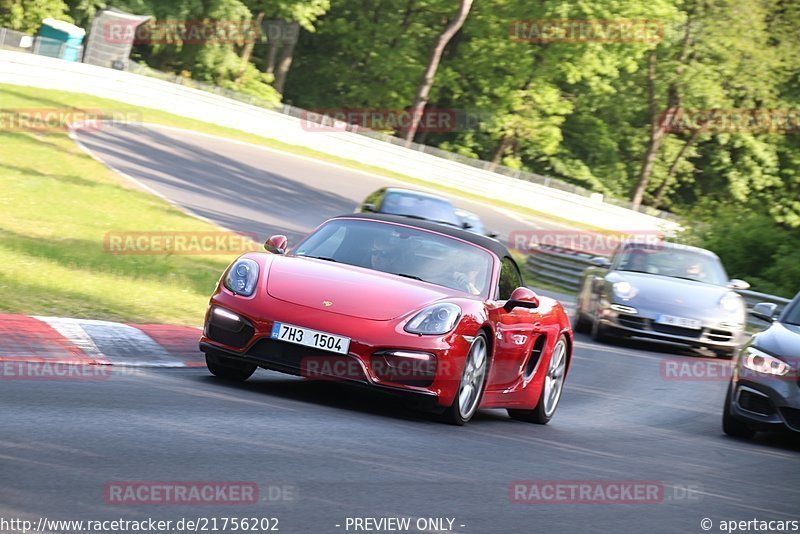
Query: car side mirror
(492, 234)
(764, 311)
(466, 225)
(368, 207)
(737, 284)
(600, 261)
(276, 244)
(522, 297)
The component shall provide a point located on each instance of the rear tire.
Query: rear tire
(228, 368)
(551, 389)
(730, 424)
(471, 386)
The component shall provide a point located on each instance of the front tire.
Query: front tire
(730, 424)
(228, 368)
(599, 333)
(473, 380)
(725, 354)
(551, 389)
(580, 323)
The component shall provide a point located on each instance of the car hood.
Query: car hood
(663, 292)
(348, 290)
(780, 339)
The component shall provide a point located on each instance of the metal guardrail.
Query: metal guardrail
(304, 114)
(563, 268)
(558, 266)
(213, 107)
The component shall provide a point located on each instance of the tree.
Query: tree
(27, 17)
(421, 98)
(281, 32)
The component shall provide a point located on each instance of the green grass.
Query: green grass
(57, 204)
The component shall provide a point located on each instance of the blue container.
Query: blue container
(60, 39)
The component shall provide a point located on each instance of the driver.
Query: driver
(466, 277)
(695, 271)
(637, 261)
(385, 253)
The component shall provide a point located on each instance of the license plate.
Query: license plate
(310, 338)
(683, 322)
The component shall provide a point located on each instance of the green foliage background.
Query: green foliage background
(580, 111)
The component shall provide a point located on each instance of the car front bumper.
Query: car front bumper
(713, 334)
(766, 402)
(381, 354)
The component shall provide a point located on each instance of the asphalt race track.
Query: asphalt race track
(249, 189)
(320, 453)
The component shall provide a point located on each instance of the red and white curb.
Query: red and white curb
(58, 340)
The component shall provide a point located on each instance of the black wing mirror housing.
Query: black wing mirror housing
(764, 311)
(276, 244)
(522, 297)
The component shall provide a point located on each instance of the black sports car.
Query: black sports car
(764, 393)
(420, 205)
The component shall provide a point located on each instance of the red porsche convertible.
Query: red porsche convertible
(411, 307)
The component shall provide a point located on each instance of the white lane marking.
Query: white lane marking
(544, 223)
(112, 343)
(74, 136)
(180, 207)
(538, 224)
(621, 351)
(75, 334)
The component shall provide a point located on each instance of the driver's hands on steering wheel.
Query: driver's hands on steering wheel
(466, 284)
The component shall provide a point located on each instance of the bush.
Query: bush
(753, 247)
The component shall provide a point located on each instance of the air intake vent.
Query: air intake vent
(536, 354)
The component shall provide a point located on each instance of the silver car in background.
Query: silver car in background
(663, 291)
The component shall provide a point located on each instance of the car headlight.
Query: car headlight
(242, 277)
(731, 302)
(436, 319)
(624, 290)
(761, 362)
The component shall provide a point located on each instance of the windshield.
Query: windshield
(673, 262)
(423, 206)
(474, 222)
(792, 315)
(403, 251)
